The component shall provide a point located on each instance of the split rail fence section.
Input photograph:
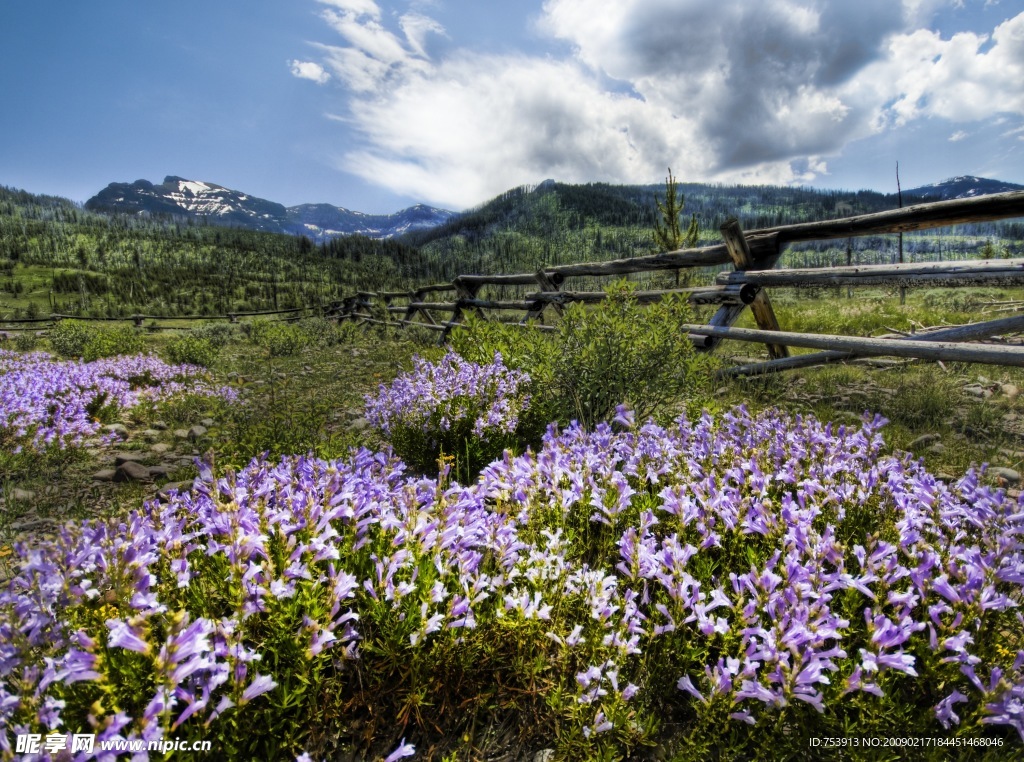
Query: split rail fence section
(754, 255)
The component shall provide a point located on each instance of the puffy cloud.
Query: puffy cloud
(309, 70)
(724, 90)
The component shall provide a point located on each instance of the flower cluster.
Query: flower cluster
(47, 402)
(439, 395)
(451, 406)
(755, 567)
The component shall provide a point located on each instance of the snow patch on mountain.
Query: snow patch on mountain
(180, 197)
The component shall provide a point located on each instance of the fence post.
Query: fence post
(547, 283)
(761, 307)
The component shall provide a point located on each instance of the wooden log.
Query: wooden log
(708, 256)
(949, 274)
(436, 287)
(969, 332)
(443, 306)
(997, 206)
(926, 350)
(547, 283)
(515, 279)
(695, 295)
(761, 305)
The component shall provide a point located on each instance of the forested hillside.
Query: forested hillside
(58, 257)
(55, 256)
(554, 223)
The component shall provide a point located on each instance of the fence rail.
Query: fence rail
(754, 255)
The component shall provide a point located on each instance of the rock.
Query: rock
(938, 448)
(158, 425)
(359, 424)
(170, 487)
(163, 470)
(22, 495)
(207, 422)
(160, 448)
(1004, 474)
(151, 434)
(945, 477)
(121, 458)
(131, 471)
(197, 432)
(544, 755)
(181, 433)
(106, 475)
(924, 439)
(1010, 390)
(116, 428)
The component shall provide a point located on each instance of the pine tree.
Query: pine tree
(668, 234)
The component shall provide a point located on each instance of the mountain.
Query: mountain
(966, 186)
(218, 205)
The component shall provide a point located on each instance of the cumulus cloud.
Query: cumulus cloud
(724, 90)
(957, 136)
(309, 70)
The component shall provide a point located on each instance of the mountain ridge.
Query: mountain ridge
(197, 199)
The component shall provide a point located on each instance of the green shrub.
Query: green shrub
(621, 352)
(69, 337)
(216, 334)
(112, 342)
(603, 355)
(284, 340)
(26, 341)
(191, 349)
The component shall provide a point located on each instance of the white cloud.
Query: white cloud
(957, 136)
(724, 90)
(355, 7)
(417, 28)
(309, 70)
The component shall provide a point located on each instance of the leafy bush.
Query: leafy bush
(217, 334)
(622, 352)
(69, 337)
(191, 349)
(452, 407)
(616, 352)
(278, 338)
(749, 584)
(321, 332)
(112, 342)
(26, 341)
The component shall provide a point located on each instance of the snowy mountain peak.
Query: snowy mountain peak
(964, 186)
(181, 197)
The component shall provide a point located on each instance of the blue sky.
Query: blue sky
(375, 105)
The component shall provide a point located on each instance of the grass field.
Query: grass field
(308, 399)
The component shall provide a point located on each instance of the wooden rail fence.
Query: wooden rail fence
(754, 256)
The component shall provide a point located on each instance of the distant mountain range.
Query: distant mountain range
(608, 204)
(216, 204)
(966, 186)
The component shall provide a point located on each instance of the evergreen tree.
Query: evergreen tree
(668, 234)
